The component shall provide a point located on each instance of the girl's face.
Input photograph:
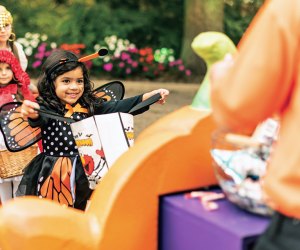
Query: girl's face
(6, 74)
(5, 32)
(69, 86)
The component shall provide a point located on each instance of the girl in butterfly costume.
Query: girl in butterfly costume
(14, 86)
(57, 173)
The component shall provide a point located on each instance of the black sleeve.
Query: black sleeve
(40, 121)
(124, 106)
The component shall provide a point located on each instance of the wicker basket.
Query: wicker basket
(13, 163)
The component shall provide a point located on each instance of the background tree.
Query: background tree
(199, 16)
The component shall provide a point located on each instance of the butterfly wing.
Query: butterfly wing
(17, 132)
(111, 91)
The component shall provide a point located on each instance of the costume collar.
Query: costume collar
(77, 108)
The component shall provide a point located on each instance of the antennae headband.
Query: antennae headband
(101, 52)
(57, 65)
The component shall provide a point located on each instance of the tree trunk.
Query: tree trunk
(200, 16)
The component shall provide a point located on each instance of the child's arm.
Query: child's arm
(28, 111)
(163, 92)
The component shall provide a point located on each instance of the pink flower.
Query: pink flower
(179, 61)
(171, 64)
(121, 64)
(42, 47)
(125, 56)
(108, 67)
(133, 50)
(36, 64)
(128, 71)
(47, 53)
(181, 67)
(39, 55)
(134, 64)
(188, 72)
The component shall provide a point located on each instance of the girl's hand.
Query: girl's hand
(34, 90)
(28, 111)
(163, 92)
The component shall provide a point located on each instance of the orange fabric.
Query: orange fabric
(72, 110)
(264, 81)
(57, 186)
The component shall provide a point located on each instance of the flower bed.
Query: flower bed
(125, 59)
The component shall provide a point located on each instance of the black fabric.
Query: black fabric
(145, 104)
(124, 106)
(283, 233)
(58, 142)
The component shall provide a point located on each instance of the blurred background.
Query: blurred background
(149, 40)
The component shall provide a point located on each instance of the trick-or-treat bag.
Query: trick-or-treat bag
(240, 163)
(102, 139)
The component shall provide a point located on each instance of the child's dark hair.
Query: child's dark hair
(58, 63)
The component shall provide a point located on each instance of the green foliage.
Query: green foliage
(155, 24)
(145, 23)
(238, 15)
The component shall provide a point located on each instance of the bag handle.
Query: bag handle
(53, 115)
(143, 104)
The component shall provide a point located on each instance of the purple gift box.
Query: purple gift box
(185, 224)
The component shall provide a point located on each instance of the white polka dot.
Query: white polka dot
(70, 142)
(60, 133)
(45, 132)
(49, 128)
(56, 128)
(52, 143)
(59, 123)
(71, 152)
(60, 144)
(69, 133)
(48, 137)
(65, 138)
(52, 133)
(66, 148)
(78, 117)
(53, 123)
(64, 128)
(51, 153)
(56, 139)
(61, 153)
(56, 149)
(48, 147)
